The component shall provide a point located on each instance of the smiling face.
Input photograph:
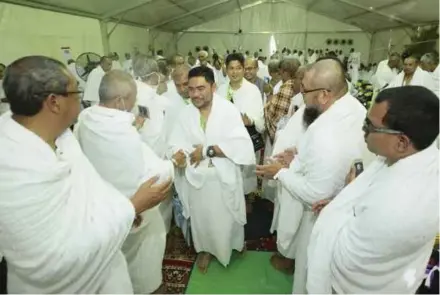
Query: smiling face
(250, 69)
(201, 92)
(235, 71)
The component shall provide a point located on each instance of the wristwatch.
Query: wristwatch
(210, 152)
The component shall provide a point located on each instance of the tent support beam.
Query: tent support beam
(190, 13)
(271, 32)
(312, 4)
(378, 8)
(395, 18)
(184, 9)
(406, 26)
(52, 8)
(125, 9)
(236, 10)
(114, 27)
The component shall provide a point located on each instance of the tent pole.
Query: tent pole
(105, 37)
(372, 44)
(306, 34)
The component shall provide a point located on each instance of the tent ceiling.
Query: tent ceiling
(178, 15)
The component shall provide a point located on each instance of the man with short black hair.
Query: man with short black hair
(65, 224)
(210, 131)
(247, 98)
(377, 235)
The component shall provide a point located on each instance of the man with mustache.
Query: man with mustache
(324, 156)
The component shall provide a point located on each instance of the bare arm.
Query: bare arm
(218, 152)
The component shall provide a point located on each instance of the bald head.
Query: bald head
(180, 79)
(300, 72)
(180, 71)
(328, 74)
(251, 62)
(251, 69)
(116, 84)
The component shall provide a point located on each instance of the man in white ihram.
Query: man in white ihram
(65, 224)
(413, 75)
(178, 97)
(377, 235)
(211, 132)
(325, 153)
(91, 90)
(148, 78)
(247, 99)
(386, 71)
(153, 132)
(108, 136)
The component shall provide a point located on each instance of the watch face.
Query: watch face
(211, 152)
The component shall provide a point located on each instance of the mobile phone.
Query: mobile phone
(143, 112)
(359, 167)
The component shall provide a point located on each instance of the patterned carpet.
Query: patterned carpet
(179, 258)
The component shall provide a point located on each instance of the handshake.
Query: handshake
(179, 158)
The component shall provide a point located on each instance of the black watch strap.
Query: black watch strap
(210, 152)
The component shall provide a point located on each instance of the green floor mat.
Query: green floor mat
(251, 274)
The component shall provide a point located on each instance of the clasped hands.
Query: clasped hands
(279, 161)
(179, 158)
(318, 206)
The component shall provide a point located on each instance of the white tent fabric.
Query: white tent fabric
(293, 27)
(84, 25)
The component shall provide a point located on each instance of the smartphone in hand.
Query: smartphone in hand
(359, 167)
(144, 112)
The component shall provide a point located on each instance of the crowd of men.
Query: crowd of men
(88, 191)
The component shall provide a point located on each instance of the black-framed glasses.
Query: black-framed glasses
(370, 128)
(304, 91)
(65, 93)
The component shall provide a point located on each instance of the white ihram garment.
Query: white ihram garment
(212, 195)
(154, 132)
(377, 235)
(91, 91)
(420, 78)
(248, 101)
(285, 138)
(326, 152)
(115, 148)
(61, 225)
(384, 75)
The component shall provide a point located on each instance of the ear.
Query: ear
(323, 97)
(214, 87)
(53, 103)
(403, 142)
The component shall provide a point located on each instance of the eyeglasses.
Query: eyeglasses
(66, 93)
(370, 128)
(313, 90)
